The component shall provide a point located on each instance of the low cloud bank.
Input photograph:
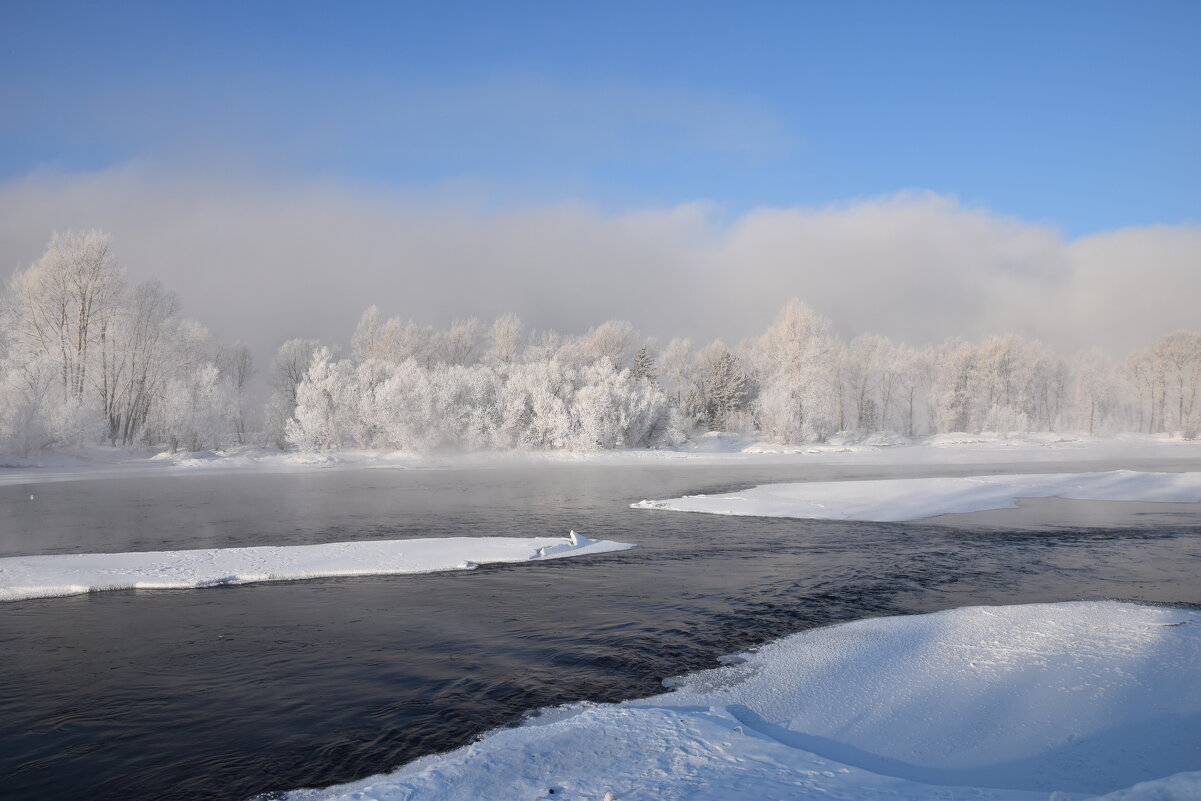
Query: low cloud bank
(263, 261)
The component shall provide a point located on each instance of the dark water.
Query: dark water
(232, 691)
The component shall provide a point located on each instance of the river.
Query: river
(228, 692)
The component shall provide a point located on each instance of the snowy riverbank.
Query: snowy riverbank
(23, 577)
(893, 500)
(1016, 702)
(711, 449)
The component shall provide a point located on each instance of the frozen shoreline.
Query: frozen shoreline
(712, 449)
(1012, 702)
(903, 499)
(26, 577)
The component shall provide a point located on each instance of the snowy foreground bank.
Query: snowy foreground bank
(709, 449)
(1016, 702)
(23, 577)
(893, 500)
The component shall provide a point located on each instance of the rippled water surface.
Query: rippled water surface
(231, 691)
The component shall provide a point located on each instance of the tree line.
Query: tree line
(87, 358)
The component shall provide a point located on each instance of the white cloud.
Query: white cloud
(262, 261)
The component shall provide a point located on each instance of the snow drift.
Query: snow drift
(1013, 702)
(24, 577)
(891, 500)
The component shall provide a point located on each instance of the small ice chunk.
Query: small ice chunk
(578, 540)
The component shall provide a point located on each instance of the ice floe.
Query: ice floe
(23, 577)
(1062, 701)
(900, 499)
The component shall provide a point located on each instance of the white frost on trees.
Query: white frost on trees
(796, 359)
(420, 389)
(543, 404)
(87, 359)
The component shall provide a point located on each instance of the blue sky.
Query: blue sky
(1082, 115)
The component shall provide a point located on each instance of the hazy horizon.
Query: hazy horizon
(260, 263)
(282, 169)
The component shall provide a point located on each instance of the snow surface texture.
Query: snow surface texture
(891, 500)
(23, 577)
(709, 449)
(1017, 703)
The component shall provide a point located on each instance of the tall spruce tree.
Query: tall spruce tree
(644, 364)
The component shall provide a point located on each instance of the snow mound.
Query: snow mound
(891, 500)
(1180, 787)
(1018, 703)
(23, 577)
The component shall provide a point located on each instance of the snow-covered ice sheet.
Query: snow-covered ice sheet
(914, 498)
(23, 577)
(1013, 702)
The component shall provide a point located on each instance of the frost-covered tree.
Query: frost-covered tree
(138, 359)
(86, 358)
(1097, 388)
(458, 345)
(644, 363)
(797, 363)
(236, 365)
(368, 340)
(327, 409)
(1003, 384)
(726, 390)
(60, 306)
(613, 409)
(912, 373)
(677, 369)
(1177, 357)
(1018, 385)
(609, 340)
(196, 410)
(291, 362)
(951, 393)
(864, 358)
(504, 346)
(534, 405)
(25, 392)
(1146, 381)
